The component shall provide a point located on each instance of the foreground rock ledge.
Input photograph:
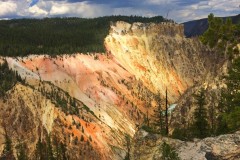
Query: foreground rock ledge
(147, 146)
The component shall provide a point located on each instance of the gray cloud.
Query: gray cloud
(178, 10)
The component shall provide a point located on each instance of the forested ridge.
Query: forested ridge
(53, 36)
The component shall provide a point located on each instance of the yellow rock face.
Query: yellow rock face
(118, 88)
(158, 55)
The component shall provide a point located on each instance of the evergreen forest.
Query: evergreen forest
(54, 36)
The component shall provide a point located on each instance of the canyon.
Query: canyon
(105, 97)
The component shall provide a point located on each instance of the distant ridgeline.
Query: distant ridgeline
(198, 27)
(52, 36)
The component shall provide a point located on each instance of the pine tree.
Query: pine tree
(76, 140)
(8, 144)
(128, 146)
(166, 115)
(158, 116)
(39, 152)
(212, 35)
(7, 153)
(212, 115)
(168, 153)
(56, 148)
(200, 124)
(82, 138)
(229, 119)
(223, 36)
(49, 149)
(21, 151)
(63, 151)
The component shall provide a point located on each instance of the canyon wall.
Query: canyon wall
(160, 56)
(110, 102)
(108, 95)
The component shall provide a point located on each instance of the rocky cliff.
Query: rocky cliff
(44, 105)
(160, 56)
(148, 146)
(90, 102)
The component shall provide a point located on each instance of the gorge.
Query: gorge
(92, 102)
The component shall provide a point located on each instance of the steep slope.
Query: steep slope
(109, 92)
(160, 56)
(92, 102)
(29, 115)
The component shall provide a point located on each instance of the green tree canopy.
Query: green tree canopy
(200, 124)
(221, 35)
(54, 36)
(229, 119)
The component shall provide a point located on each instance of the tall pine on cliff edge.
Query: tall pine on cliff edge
(200, 124)
(229, 119)
(223, 37)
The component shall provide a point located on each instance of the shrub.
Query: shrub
(149, 129)
(82, 138)
(168, 153)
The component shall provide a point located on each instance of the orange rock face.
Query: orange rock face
(98, 82)
(114, 91)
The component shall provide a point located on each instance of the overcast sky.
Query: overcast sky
(178, 10)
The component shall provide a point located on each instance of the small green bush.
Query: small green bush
(149, 129)
(168, 153)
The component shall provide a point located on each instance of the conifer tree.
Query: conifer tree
(200, 124)
(8, 145)
(39, 152)
(21, 151)
(229, 119)
(63, 151)
(223, 36)
(158, 116)
(128, 146)
(166, 114)
(168, 153)
(7, 153)
(82, 138)
(49, 149)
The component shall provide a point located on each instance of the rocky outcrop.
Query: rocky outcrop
(112, 97)
(108, 95)
(160, 56)
(26, 115)
(148, 146)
